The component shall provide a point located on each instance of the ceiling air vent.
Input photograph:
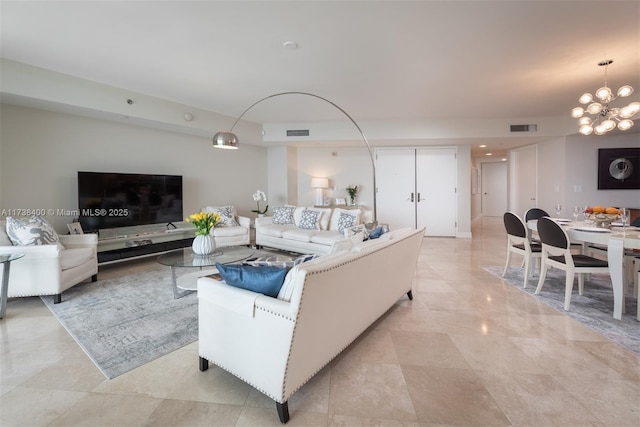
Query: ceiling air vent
(524, 128)
(301, 132)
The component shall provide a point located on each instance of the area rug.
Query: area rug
(594, 308)
(123, 323)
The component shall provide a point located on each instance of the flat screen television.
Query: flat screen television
(110, 200)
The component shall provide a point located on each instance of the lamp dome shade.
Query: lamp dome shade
(225, 140)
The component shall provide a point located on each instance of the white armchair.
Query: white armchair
(233, 230)
(51, 269)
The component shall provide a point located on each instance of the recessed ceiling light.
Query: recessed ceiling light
(291, 45)
(489, 154)
(503, 159)
(483, 146)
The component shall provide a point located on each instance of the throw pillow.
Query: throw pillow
(30, 232)
(376, 232)
(309, 220)
(266, 280)
(227, 215)
(283, 215)
(346, 220)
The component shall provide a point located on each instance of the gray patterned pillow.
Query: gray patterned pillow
(345, 221)
(227, 215)
(309, 220)
(283, 215)
(31, 231)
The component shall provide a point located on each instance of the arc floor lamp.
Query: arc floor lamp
(227, 139)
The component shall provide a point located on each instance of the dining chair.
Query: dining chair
(519, 242)
(556, 253)
(534, 213)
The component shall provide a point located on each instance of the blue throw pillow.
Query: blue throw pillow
(376, 232)
(263, 279)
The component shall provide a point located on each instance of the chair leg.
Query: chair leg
(581, 283)
(541, 279)
(283, 411)
(57, 298)
(506, 264)
(527, 271)
(568, 289)
(94, 278)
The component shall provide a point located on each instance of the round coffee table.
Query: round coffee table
(185, 258)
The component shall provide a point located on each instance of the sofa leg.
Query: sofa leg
(283, 411)
(57, 298)
(94, 278)
(410, 295)
(204, 364)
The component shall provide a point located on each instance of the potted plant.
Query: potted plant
(257, 196)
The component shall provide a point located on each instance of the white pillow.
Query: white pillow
(31, 231)
(335, 217)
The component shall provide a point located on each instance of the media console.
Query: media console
(126, 243)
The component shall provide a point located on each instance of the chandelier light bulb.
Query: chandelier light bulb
(604, 94)
(585, 98)
(599, 130)
(594, 108)
(586, 120)
(586, 129)
(625, 91)
(608, 125)
(634, 106)
(625, 124)
(577, 112)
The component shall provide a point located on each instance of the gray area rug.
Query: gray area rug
(593, 309)
(126, 322)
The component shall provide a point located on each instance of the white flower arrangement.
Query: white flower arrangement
(257, 196)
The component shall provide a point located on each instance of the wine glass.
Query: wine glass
(558, 210)
(625, 216)
(576, 211)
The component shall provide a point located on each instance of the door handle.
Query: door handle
(419, 199)
(411, 198)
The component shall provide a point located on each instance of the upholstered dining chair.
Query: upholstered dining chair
(519, 242)
(534, 213)
(556, 253)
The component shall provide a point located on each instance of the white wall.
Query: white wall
(552, 174)
(582, 172)
(42, 152)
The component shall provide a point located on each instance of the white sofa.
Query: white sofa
(278, 344)
(227, 234)
(51, 269)
(290, 237)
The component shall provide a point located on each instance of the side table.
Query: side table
(5, 260)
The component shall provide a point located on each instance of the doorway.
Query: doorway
(494, 188)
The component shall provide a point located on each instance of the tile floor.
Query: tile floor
(468, 350)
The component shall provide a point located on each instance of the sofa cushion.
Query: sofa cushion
(228, 231)
(327, 238)
(266, 280)
(299, 234)
(283, 215)
(227, 215)
(31, 231)
(286, 291)
(275, 230)
(335, 217)
(310, 220)
(74, 257)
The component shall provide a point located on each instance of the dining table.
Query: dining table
(615, 239)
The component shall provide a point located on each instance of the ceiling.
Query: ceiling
(382, 61)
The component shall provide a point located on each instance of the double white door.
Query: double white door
(417, 187)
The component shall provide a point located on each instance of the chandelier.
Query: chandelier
(599, 117)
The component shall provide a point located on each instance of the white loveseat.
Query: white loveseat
(278, 344)
(319, 240)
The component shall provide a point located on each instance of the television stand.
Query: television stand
(126, 243)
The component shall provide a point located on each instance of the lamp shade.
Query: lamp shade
(225, 140)
(319, 183)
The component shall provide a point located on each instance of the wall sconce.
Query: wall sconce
(319, 184)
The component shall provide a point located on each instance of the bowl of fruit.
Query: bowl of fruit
(602, 216)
